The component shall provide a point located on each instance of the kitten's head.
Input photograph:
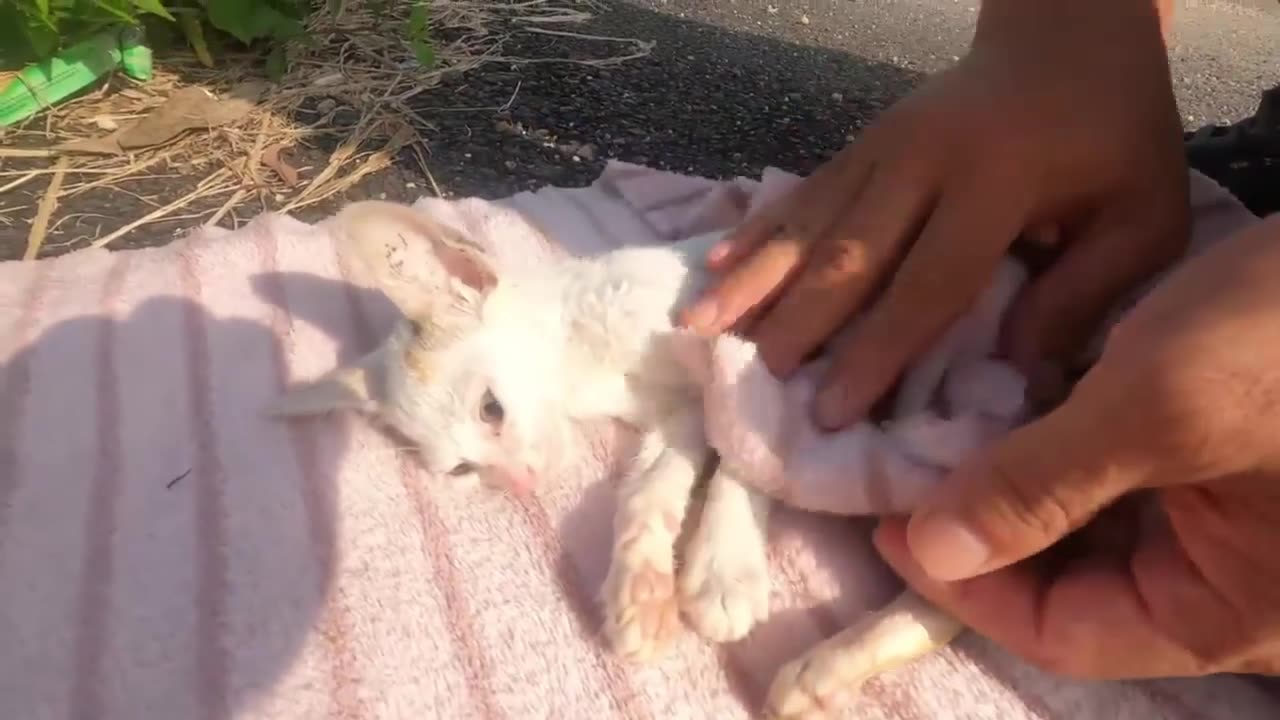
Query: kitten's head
(471, 373)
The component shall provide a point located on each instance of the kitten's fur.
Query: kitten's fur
(483, 363)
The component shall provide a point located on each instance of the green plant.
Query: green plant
(33, 30)
(248, 22)
(419, 30)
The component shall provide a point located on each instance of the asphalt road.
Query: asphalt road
(1222, 51)
(731, 87)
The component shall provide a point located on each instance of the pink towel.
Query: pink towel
(957, 398)
(166, 552)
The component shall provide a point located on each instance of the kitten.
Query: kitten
(484, 361)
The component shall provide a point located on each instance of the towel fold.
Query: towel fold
(956, 399)
(166, 552)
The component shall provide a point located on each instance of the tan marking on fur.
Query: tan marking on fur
(829, 675)
(418, 361)
(418, 355)
(643, 615)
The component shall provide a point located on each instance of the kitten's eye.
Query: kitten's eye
(491, 411)
(462, 468)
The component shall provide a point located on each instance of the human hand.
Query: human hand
(1183, 409)
(1061, 115)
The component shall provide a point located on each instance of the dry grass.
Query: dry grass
(358, 63)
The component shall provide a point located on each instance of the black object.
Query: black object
(1243, 157)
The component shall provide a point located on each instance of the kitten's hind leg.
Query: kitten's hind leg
(641, 611)
(827, 676)
(724, 580)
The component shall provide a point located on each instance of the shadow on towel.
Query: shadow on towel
(134, 597)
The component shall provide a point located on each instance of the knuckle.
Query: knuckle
(1027, 506)
(842, 258)
(1072, 654)
(1269, 224)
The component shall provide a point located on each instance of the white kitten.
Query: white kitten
(488, 366)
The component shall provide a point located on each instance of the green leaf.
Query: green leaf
(154, 7)
(248, 20)
(193, 29)
(42, 39)
(43, 7)
(15, 49)
(425, 52)
(419, 21)
(419, 30)
(277, 63)
(111, 9)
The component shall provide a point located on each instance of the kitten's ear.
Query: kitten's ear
(356, 387)
(415, 260)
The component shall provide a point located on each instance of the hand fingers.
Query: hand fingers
(843, 268)
(753, 283)
(942, 274)
(806, 210)
(1094, 620)
(1058, 313)
(745, 239)
(1028, 491)
(783, 234)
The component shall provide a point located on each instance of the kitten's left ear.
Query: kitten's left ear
(355, 387)
(419, 262)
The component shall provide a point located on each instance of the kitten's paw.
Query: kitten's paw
(724, 590)
(811, 687)
(641, 613)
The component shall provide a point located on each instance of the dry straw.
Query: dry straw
(360, 62)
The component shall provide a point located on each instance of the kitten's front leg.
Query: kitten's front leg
(724, 582)
(641, 610)
(827, 676)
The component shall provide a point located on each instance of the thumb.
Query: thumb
(1022, 495)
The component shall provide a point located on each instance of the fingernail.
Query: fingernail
(946, 548)
(718, 252)
(702, 315)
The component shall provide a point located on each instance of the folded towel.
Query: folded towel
(956, 399)
(166, 552)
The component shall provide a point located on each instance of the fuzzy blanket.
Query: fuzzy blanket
(958, 397)
(166, 552)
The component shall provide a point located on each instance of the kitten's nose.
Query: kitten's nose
(520, 480)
